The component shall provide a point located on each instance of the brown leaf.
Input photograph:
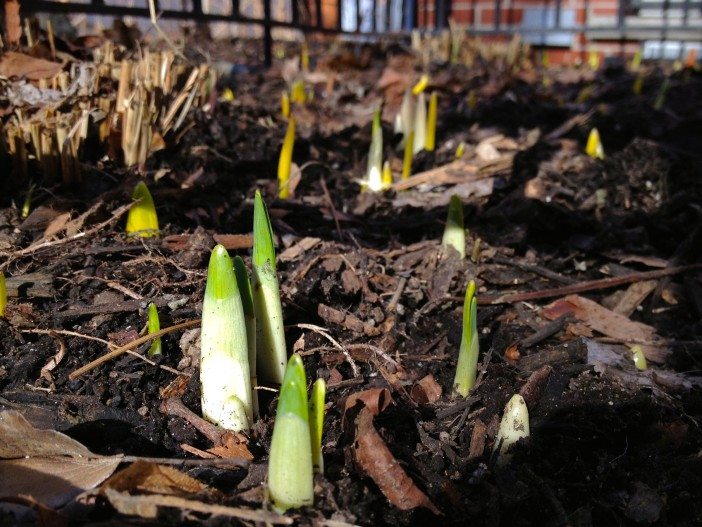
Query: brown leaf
(376, 460)
(147, 507)
(13, 64)
(145, 477)
(46, 464)
(426, 391)
(608, 323)
(232, 445)
(375, 399)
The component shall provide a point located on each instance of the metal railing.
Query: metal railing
(312, 21)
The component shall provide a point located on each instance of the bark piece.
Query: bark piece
(375, 459)
(426, 391)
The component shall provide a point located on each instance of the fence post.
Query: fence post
(267, 35)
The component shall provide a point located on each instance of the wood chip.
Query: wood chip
(375, 459)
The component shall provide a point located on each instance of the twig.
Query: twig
(133, 344)
(154, 22)
(327, 196)
(116, 214)
(218, 462)
(537, 269)
(592, 285)
(396, 295)
(545, 332)
(322, 331)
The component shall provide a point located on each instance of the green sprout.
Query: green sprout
(316, 411)
(375, 155)
(639, 357)
(407, 157)
(27, 205)
(285, 160)
(244, 283)
(3, 295)
(467, 367)
(513, 427)
(404, 120)
(454, 232)
(142, 220)
(420, 124)
(290, 475)
(270, 337)
(430, 139)
(225, 376)
(662, 92)
(154, 325)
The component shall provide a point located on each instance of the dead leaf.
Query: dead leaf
(145, 477)
(57, 224)
(13, 64)
(375, 399)
(376, 460)
(46, 464)
(292, 252)
(147, 507)
(426, 391)
(232, 445)
(608, 323)
(45, 516)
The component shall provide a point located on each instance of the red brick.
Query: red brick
(487, 17)
(463, 16)
(605, 11)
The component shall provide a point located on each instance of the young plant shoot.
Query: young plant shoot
(244, 283)
(430, 139)
(285, 105)
(454, 232)
(467, 367)
(3, 295)
(285, 160)
(404, 120)
(316, 407)
(407, 156)
(224, 361)
(421, 85)
(142, 220)
(270, 337)
(594, 146)
(639, 357)
(290, 479)
(387, 175)
(460, 150)
(297, 92)
(153, 325)
(513, 427)
(374, 179)
(420, 124)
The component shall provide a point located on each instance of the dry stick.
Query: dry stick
(133, 344)
(116, 214)
(323, 332)
(547, 273)
(592, 285)
(331, 206)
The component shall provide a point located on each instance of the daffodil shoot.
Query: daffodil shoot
(290, 475)
(271, 353)
(467, 367)
(225, 377)
(142, 220)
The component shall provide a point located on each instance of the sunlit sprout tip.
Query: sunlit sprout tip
(142, 220)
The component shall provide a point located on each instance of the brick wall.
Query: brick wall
(533, 14)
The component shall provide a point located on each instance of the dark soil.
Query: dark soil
(602, 451)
